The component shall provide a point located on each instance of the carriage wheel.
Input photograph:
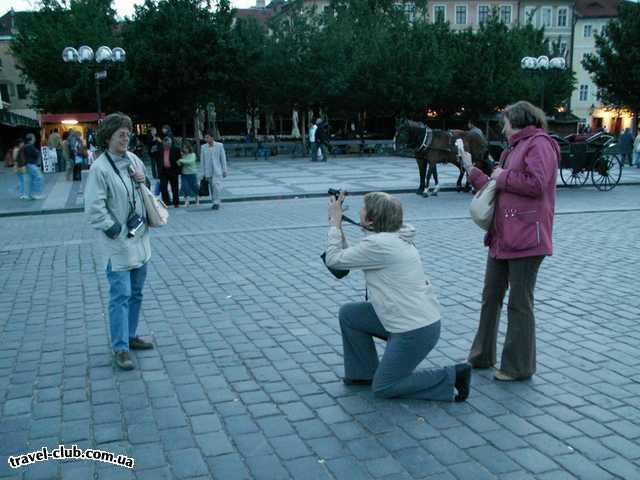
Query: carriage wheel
(573, 177)
(606, 172)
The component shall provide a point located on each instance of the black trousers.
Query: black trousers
(165, 179)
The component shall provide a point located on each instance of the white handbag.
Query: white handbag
(483, 205)
(157, 212)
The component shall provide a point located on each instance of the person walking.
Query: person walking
(189, 174)
(322, 139)
(166, 159)
(19, 164)
(33, 159)
(313, 145)
(626, 146)
(114, 206)
(213, 167)
(636, 149)
(518, 241)
(402, 309)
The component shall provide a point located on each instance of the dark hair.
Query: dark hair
(523, 114)
(210, 133)
(30, 138)
(109, 126)
(187, 147)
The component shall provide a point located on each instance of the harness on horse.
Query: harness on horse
(428, 139)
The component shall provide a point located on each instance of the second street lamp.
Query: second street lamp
(542, 64)
(104, 55)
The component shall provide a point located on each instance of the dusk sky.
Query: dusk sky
(123, 7)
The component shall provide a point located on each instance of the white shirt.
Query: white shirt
(312, 133)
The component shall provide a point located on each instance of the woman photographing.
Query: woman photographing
(402, 309)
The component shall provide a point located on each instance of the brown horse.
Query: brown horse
(438, 146)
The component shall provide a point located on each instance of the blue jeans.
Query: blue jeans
(314, 151)
(637, 159)
(125, 299)
(394, 375)
(36, 181)
(189, 185)
(20, 176)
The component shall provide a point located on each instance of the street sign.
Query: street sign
(101, 75)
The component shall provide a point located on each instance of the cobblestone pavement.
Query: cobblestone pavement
(245, 378)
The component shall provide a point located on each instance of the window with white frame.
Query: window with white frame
(530, 15)
(547, 17)
(461, 14)
(505, 14)
(563, 15)
(563, 47)
(483, 13)
(587, 31)
(584, 93)
(439, 13)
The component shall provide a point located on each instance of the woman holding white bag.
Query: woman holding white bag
(518, 239)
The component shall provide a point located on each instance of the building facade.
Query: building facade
(556, 16)
(592, 17)
(14, 90)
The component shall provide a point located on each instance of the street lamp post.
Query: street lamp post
(103, 56)
(542, 64)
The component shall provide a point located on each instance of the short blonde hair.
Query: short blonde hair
(384, 211)
(523, 114)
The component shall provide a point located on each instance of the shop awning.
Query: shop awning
(11, 119)
(59, 117)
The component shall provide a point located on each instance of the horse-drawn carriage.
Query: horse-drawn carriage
(583, 156)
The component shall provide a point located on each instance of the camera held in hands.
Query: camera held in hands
(135, 223)
(336, 192)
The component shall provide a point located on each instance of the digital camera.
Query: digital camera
(134, 224)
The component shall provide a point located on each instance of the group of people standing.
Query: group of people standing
(176, 168)
(630, 147)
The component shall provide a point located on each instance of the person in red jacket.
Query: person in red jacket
(518, 240)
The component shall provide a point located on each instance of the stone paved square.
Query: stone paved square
(244, 381)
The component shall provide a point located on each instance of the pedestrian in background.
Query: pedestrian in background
(636, 149)
(313, 146)
(33, 160)
(114, 206)
(55, 143)
(189, 174)
(169, 171)
(213, 167)
(626, 146)
(19, 164)
(518, 240)
(322, 139)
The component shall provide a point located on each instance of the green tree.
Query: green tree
(174, 50)
(616, 65)
(41, 37)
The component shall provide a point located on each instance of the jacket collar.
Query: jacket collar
(526, 132)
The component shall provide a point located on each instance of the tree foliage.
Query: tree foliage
(616, 65)
(355, 56)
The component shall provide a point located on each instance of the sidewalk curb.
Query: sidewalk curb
(258, 198)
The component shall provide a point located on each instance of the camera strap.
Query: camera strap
(132, 199)
(353, 222)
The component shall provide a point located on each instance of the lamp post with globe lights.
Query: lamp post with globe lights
(543, 64)
(103, 57)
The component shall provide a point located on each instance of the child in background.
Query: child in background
(189, 174)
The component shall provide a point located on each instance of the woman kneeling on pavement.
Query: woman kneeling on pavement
(403, 309)
(114, 205)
